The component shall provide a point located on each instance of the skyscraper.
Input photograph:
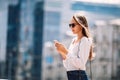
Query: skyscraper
(37, 41)
(12, 40)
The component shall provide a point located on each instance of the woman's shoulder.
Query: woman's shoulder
(84, 39)
(87, 40)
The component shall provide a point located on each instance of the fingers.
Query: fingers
(57, 44)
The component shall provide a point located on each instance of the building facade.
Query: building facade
(107, 49)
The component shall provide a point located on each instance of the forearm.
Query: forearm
(63, 54)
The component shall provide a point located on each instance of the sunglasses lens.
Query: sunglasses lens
(72, 25)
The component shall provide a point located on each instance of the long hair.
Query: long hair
(85, 30)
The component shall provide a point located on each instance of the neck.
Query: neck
(79, 36)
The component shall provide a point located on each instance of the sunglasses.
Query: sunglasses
(72, 25)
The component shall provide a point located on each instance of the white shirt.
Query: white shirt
(77, 58)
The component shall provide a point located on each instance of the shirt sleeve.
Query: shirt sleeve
(83, 53)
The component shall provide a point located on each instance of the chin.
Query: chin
(74, 32)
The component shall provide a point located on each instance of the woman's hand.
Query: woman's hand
(61, 48)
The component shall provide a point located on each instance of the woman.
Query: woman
(80, 50)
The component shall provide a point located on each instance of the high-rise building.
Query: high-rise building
(37, 41)
(12, 40)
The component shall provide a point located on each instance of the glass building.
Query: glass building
(12, 40)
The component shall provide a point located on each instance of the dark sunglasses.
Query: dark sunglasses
(72, 25)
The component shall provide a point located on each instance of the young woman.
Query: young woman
(80, 50)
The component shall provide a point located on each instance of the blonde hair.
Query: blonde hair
(82, 21)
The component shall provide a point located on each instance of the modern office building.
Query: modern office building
(12, 41)
(38, 41)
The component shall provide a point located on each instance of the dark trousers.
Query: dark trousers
(77, 75)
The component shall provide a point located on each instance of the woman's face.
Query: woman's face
(75, 27)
